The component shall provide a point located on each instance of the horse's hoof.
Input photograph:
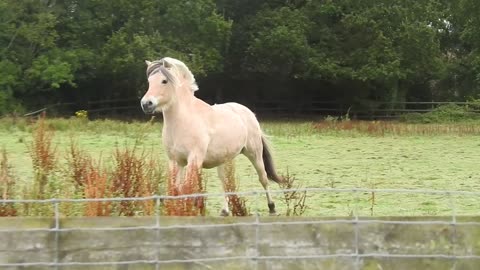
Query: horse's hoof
(224, 213)
(271, 209)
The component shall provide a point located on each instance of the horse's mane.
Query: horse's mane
(177, 67)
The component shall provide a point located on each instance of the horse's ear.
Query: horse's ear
(167, 64)
(148, 62)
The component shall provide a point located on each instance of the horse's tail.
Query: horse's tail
(268, 163)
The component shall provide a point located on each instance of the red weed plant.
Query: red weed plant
(7, 185)
(79, 164)
(193, 184)
(95, 186)
(295, 200)
(172, 207)
(135, 175)
(382, 128)
(236, 204)
(91, 181)
(43, 155)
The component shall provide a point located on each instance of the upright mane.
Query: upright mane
(175, 66)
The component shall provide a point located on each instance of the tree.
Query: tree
(29, 59)
(388, 45)
(464, 77)
(95, 49)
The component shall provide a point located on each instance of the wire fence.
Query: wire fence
(460, 243)
(130, 108)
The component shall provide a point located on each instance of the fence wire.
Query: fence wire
(257, 224)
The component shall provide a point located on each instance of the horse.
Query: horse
(198, 135)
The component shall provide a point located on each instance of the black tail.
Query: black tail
(268, 163)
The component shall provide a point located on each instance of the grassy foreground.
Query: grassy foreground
(326, 155)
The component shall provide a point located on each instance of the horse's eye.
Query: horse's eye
(164, 81)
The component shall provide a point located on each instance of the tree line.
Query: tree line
(348, 51)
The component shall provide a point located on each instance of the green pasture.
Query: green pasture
(316, 158)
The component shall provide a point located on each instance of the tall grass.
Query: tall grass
(384, 128)
(135, 175)
(134, 172)
(448, 113)
(288, 129)
(44, 157)
(96, 186)
(78, 163)
(236, 204)
(447, 126)
(295, 201)
(75, 124)
(449, 119)
(90, 180)
(7, 186)
(192, 184)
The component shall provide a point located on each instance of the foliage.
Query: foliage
(445, 114)
(135, 174)
(278, 43)
(192, 184)
(236, 204)
(447, 122)
(73, 48)
(385, 47)
(44, 158)
(354, 51)
(7, 185)
(82, 114)
(295, 200)
(373, 50)
(347, 154)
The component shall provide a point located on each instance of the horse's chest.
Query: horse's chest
(177, 150)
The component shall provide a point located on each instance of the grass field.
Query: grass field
(438, 157)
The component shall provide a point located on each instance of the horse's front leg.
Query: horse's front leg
(221, 174)
(175, 178)
(193, 168)
(192, 181)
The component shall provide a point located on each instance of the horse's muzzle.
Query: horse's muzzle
(148, 106)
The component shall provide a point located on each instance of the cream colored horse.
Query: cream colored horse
(196, 135)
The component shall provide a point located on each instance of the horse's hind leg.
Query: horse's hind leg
(221, 174)
(255, 156)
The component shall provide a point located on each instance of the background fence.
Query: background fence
(130, 108)
(253, 242)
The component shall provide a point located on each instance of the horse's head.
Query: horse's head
(161, 87)
(165, 76)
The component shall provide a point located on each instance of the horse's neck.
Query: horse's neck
(182, 111)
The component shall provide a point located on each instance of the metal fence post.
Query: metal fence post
(356, 229)
(157, 227)
(257, 231)
(57, 232)
(454, 228)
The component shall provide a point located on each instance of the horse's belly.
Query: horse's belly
(212, 162)
(218, 156)
(215, 155)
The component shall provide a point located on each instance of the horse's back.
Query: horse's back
(247, 116)
(248, 119)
